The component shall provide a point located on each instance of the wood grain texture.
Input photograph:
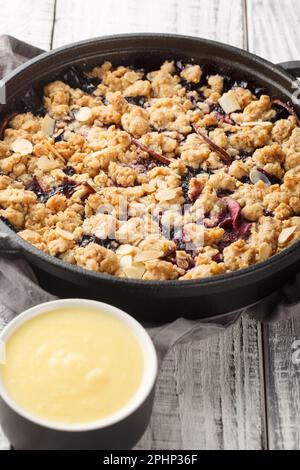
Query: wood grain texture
(214, 19)
(209, 394)
(282, 385)
(164, 431)
(274, 33)
(273, 28)
(31, 21)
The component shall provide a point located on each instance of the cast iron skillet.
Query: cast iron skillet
(155, 300)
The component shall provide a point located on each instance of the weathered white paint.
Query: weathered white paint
(214, 19)
(31, 21)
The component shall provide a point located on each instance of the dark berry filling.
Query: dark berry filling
(69, 170)
(77, 78)
(136, 100)
(105, 242)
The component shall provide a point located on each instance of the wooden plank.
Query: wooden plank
(209, 394)
(274, 33)
(164, 431)
(283, 384)
(219, 387)
(273, 27)
(214, 19)
(29, 21)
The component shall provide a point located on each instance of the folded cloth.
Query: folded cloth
(19, 287)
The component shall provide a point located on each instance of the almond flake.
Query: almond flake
(229, 102)
(135, 272)
(286, 234)
(165, 194)
(124, 249)
(256, 123)
(97, 153)
(79, 193)
(126, 261)
(255, 175)
(148, 255)
(22, 146)
(45, 164)
(48, 125)
(149, 188)
(64, 234)
(84, 114)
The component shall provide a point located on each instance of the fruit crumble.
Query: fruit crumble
(176, 173)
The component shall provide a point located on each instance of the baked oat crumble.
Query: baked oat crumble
(171, 174)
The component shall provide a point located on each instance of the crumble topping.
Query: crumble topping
(172, 174)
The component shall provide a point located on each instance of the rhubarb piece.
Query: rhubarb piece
(234, 211)
(272, 178)
(288, 107)
(225, 157)
(89, 189)
(151, 152)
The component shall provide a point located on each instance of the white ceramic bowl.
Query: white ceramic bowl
(120, 430)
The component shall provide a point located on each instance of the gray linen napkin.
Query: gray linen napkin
(19, 287)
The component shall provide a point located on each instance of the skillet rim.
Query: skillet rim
(240, 276)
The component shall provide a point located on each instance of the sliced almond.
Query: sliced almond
(286, 234)
(84, 114)
(229, 103)
(79, 193)
(124, 249)
(45, 164)
(126, 261)
(256, 123)
(22, 146)
(148, 255)
(161, 184)
(48, 125)
(149, 188)
(165, 195)
(135, 272)
(64, 234)
(255, 176)
(97, 153)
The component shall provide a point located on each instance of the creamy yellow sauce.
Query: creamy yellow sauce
(72, 365)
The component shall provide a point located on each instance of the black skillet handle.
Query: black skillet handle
(292, 67)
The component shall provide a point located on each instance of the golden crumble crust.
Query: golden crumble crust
(174, 173)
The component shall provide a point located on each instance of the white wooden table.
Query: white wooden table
(240, 387)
